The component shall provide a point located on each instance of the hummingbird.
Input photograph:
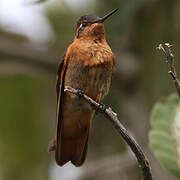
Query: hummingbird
(87, 66)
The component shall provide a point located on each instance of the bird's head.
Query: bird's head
(91, 26)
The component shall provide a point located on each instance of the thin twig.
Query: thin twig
(166, 48)
(112, 116)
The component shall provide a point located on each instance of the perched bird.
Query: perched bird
(87, 65)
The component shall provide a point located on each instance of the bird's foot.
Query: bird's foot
(103, 107)
(80, 93)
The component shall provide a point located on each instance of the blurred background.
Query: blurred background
(33, 38)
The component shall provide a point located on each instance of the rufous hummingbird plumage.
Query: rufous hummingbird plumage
(87, 65)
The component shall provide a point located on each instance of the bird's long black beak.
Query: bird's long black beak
(106, 16)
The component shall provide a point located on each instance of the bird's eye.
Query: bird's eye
(84, 24)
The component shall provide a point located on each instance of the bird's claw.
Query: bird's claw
(102, 106)
(80, 93)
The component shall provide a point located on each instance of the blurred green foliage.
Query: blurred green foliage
(23, 139)
(162, 138)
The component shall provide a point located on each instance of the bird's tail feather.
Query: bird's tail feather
(72, 149)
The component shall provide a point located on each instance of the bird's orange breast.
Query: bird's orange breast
(89, 69)
(90, 66)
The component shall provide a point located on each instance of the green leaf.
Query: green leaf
(164, 136)
(176, 133)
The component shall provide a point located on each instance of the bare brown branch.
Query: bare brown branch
(166, 48)
(112, 116)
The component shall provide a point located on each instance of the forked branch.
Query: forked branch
(166, 48)
(112, 116)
